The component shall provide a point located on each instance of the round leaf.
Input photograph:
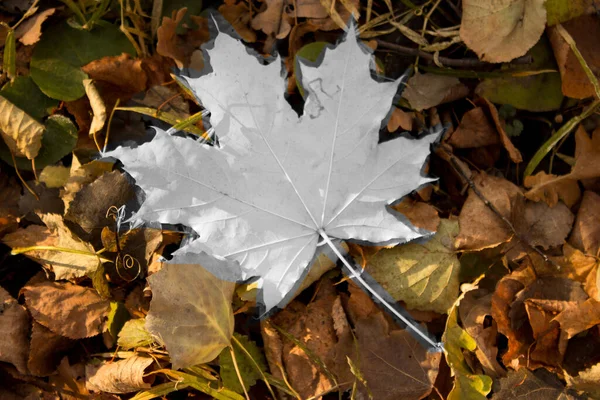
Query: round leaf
(62, 51)
(24, 93)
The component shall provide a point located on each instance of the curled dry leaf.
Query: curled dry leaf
(586, 229)
(21, 133)
(98, 106)
(424, 91)
(123, 376)
(14, 330)
(190, 313)
(424, 276)
(499, 31)
(82, 312)
(513, 152)
(583, 30)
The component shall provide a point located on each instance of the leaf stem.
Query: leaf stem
(260, 371)
(237, 371)
(356, 276)
(21, 250)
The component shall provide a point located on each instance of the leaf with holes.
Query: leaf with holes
(278, 181)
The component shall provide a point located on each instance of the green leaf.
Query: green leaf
(117, 318)
(540, 92)
(62, 51)
(25, 94)
(467, 385)
(247, 368)
(559, 11)
(58, 140)
(424, 276)
(134, 334)
(10, 55)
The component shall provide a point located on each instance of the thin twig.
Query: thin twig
(14, 160)
(495, 210)
(448, 62)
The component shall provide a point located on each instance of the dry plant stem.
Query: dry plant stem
(239, 344)
(356, 276)
(21, 250)
(237, 372)
(112, 113)
(492, 207)
(448, 62)
(34, 194)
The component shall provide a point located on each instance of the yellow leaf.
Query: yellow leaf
(21, 133)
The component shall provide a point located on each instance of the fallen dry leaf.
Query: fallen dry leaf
(190, 313)
(513, 152)
(123, 376)
(273, 20)
(14, 330)
(502, 30)
(424, 91)
(551, 189)
(587, 155)
(400, 119)
(474, 308)
(10, 192)
(420, 214)
(475, 130)
(424, 276)
(583, 30)
(181, 48)
(121, 71)
(82, 175)
(586, 229)
(528, 385)
(82, 312)
(240, 18)
(586, 381)
(98, 106)
(579, 317)
(30, 31)
(21, 133)
(46, 350)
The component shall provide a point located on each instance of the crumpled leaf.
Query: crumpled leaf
(82, 312)
(123, 376)
(30, 30)
(134, 334)
(248, 370)
(424, 276)
(467, 384)
(424, 91)
(501, 30)
(97, 104)
(21, 133)
(260, 189)
(14, 330)
(190, 313)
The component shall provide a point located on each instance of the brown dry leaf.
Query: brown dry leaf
(513, 152)
(98, 106)
(584, 30)
(70, 379)
(181, 47)
(551, 188)
(140, 244)
(420, 214)
(586, 230)
(87, 211)
(527, 385)
(400, 119)
(586, 381)
(123, 376)
(473, 309)
(537, 223)
(46, 350)
(502, 30)
(21, 133)
(122, 71)
(239, 17)
(273, 20)
(574, 265)
(82, 175)
(14, 330)
(82, 312)
(424, 91)
(579, 317)
(30, 31)
(524, 307)
(587, 155)
(474, 130)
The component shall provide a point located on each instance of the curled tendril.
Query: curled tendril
(127, 262)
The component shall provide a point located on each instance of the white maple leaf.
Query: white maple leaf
(278, 182)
